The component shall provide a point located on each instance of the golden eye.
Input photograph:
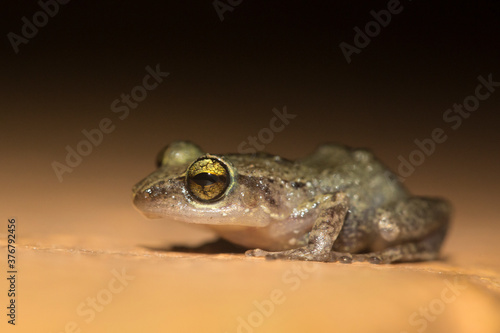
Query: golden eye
(207, 179)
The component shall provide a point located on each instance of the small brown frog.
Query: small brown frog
(337, 204)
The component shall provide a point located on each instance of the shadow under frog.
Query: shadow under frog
(336, 205)
(215, 247)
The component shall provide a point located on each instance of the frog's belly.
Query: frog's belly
(277, 236)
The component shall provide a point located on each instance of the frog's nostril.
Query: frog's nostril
(147, 205)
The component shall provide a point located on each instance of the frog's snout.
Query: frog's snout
(144, 204)
(147, 199)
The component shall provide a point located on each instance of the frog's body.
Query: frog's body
(338, 204)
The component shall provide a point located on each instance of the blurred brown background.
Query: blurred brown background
(225, 78)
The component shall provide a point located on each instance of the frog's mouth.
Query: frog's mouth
(191, 212)
(216, 219)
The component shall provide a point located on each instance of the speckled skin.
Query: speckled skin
(337, 204)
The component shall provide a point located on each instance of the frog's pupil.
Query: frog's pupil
(205, 179)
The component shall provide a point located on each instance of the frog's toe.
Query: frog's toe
(377, 260)
(341, 257)
(344, 259)
(256, 253)
(266, 254)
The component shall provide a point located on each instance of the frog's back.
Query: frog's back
(357, 172)
(331, 168)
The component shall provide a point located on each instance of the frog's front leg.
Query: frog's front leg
(332, 210)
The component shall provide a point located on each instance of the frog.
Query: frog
(338, 204)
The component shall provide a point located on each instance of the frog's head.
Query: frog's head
(194, 187)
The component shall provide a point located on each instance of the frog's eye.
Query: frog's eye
(207, 179)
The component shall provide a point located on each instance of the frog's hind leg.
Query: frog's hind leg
(425, 249)
(412, 230)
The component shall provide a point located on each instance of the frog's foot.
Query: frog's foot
(301, 253)
(394, 254)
